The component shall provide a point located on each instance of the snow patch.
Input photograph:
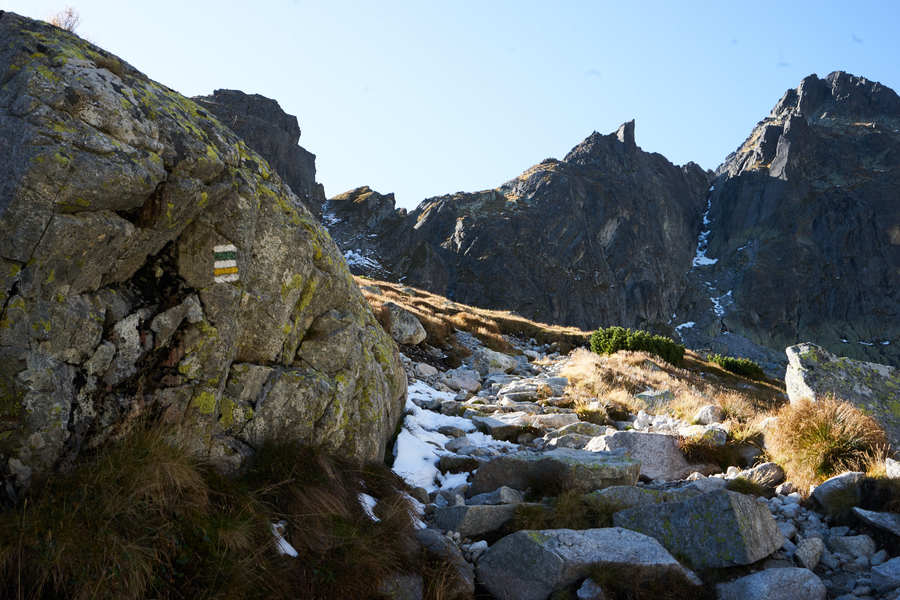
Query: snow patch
(719, 303)
(368, 504)
(419, 445)
(700, 258)
(357, 259)
(329, 219)
(865, 343)
(281, 544)
(686, 325)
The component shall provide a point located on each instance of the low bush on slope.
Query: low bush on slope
(145, 519)
(614, 339)
(740, 366)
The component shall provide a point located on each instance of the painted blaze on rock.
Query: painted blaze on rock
(116, 193)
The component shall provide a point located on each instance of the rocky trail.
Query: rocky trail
(487, 445)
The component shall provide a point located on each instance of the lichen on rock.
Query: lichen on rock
(114, 193)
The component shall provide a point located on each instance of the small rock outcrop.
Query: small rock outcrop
(273, 134)
(814, 372)
(153, 265)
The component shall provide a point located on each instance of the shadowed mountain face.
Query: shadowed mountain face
(600, 237)
(804, 226)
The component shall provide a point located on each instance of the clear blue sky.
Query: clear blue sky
(426, 98)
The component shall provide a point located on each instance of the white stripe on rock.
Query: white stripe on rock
(225, 248)
(227, 278)
(224, 264)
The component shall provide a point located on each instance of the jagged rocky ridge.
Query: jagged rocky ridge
(804, 228)
(796, 239)
(117, 198)
(595, 238)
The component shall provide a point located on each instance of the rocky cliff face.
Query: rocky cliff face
(803, 227)
(595, 238)
(797, 238)
(153, 265)
(274, 135)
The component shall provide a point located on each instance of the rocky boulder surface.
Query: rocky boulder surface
(802, 229)
(601, 236)
(273, 134)
(152, 265)
(814, 372)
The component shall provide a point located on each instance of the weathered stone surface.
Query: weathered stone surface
(273, 134)
(502, 495)
(404, 327)
(774, 584)
(711, 413)
(892, 468)
(114, 193)
(814, 372)
(620, 497)
(852, 545)
(531, 565)
(886, 576)
(561, 468)
(885, 521)
(840, 493)
(718, 529)
(487, 361)
(407, 586)
(768, 474)
(809, 552)
(659, 454)
(471, 521)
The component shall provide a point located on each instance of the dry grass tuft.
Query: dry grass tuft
(440, 317)
(614, 380)
(816, 440)
(144, 518)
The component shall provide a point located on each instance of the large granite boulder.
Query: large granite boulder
(153, 265)
(531, 565)
(559, 469)
(814, 372)
(273, 134)
(718, 529)
(659, 454)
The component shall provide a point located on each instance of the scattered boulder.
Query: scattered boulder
(462, 379)
(559, 469)
(487, 361)
(885, 521)
(472, 521)
(886, 576)
(813, 371)
(767, 474)
(531, 565)
(892, 468)
(852, 545)
(717, 529)
(709, 414)
(404, 326)
(659, 454)
(774, 584)
(406, 586)
(502, 495)
(809, 552)
(840, 493)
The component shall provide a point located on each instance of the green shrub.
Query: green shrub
(613, 339)
(740, 366)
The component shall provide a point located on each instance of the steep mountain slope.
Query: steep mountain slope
(596, 238)
(804, 227)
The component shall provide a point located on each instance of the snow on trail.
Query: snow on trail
(419, 445)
